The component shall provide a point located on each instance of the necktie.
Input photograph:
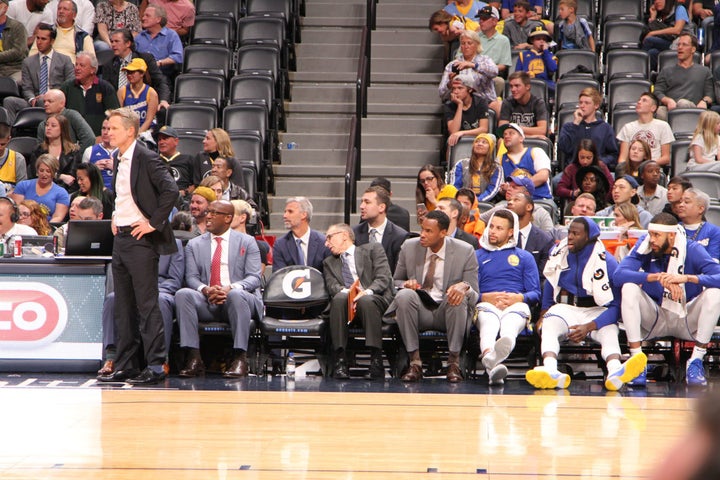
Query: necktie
(215, 264)
(122, 76)
(429, 280)
(301, 255)
(521, 241)
(373, 235)
(44, 75)
(346, 273)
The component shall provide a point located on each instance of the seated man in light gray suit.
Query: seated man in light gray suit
(368, 265)
(60, 69)
(438, 277)
(222, 274)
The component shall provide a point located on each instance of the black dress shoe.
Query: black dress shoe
(147, 377)
(194, 368)
(340, 372)
(376, 370)
(238, 368)
(119, 375)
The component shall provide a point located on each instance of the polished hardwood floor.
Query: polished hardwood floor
(76, 429)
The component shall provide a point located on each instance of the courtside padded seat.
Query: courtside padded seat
(294, 298)
(679, 156)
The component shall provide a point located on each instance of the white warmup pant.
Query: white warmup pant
(560, 317)
(493, 322)
(644, 319)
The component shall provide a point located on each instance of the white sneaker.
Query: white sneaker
(498, 353)
(541, 377)
(497, 375)
(627, 372)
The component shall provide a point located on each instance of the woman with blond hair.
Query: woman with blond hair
(471, 63)
(215, 144)
(481, 173)
(704, 151)
(44, 190)
(34, 214)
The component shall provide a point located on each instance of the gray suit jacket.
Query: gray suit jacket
(61, 70)
(244, 265)
(460, 266)
(372, 268)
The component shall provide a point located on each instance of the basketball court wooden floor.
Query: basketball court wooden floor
(68, 427)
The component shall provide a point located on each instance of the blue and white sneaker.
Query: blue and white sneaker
(541, 377)
(695, 373)
(640, 380)
(628, 371)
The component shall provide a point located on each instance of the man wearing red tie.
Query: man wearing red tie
(222, 274)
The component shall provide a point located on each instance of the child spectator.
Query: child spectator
(704, 151)
(573, 32)
(638, 152)
(653, 196)
(539, 61)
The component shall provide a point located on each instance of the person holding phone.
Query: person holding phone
(429, 189)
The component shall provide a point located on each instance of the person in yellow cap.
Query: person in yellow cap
(201, 198)
(137, 95)
(481, 172)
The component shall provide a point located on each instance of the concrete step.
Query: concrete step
(339, 171)
(337, 141)
(345, 35)
(384, 124)
(321, 76)
(326, 64)
(327, 21)
(408, 78)
(323, 92)
(406, 65)
(383, 156)
(384, 50)
(405, 109)
(335, 9)
(319, 107)
(398, 10)
(391, 36)
(328, 49)
(311, 123)
(412, 94)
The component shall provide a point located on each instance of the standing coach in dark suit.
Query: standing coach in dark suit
(373, 213)
(368, 264)
(146, 193)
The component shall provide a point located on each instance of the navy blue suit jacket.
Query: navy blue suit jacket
(392, 240)
(539, 244)
(285, 251)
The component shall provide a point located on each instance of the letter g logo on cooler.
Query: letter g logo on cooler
(31, 314)
(296, 284)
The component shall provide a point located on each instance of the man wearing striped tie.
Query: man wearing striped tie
(41, 72)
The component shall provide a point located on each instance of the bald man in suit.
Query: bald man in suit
(367, 264)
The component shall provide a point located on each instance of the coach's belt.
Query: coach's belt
(127, 229)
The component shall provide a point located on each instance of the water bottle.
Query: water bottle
(701, 36)
(290, 366)
(291, 145)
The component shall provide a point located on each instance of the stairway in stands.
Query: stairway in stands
(402, 130)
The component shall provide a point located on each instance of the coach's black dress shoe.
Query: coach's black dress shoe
(119, 375)
(147, 377)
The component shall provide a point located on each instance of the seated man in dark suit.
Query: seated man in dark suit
(395, 213)
(375, 226)
(446, 271)
(222, 274)
(453, 209)
(301, 245)
(532, 239)
(368, 265)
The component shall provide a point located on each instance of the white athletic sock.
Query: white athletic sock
(634, 351)
(613, 365)
(698, 352)
(550, 363)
